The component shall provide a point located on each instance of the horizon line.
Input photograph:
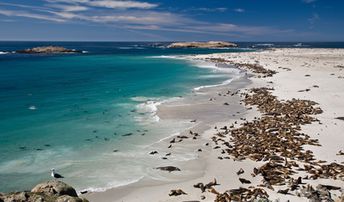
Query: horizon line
(119, 41)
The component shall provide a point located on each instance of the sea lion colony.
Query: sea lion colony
(255, 68)
(276, 139)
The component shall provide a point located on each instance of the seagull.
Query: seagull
(55, 175)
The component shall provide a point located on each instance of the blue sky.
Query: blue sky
(172, 20)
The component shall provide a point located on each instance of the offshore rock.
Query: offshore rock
(47, 50)
(209, 44)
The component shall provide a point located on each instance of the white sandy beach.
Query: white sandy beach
(311, 74)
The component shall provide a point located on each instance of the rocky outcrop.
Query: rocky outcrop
(47, 50)
(50, 191)
(209, 44)
(66, 198)
(54, 187)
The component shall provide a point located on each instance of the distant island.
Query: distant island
(47, 50)
(209, 44)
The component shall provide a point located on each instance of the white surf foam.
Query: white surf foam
(167, 56)
(141, 99)
(113, 184)
(32, 107)
(130, 47)
(233, 73)
(149, 108)
(36, 162)
(3, 52)
(263, 45)
(215, 85)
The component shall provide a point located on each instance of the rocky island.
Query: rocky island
(209, 44)
(50, 191)
(48, 50)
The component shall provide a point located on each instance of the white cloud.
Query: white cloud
(121, 4)
(239, 10)
(114, 4)
(68, 8)
(133, 19)
(30, 15)
(220, 9)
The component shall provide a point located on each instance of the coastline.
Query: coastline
(183, 109)
(290, 64)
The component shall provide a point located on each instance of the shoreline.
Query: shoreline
(278, 60)
(176, 110)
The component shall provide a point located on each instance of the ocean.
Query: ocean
(89, 115)
(92, 116)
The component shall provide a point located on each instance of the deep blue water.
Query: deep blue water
(67, 111)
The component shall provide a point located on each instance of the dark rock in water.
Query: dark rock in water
(50, 191)
(168, 168)
(47, 50)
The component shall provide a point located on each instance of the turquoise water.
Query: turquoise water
(71, 111)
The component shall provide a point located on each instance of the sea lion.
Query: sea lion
(168, 168)
(241, 171)
(176, 192)
(244, 181)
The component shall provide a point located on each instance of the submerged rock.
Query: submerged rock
(209, 44)
(47, 50)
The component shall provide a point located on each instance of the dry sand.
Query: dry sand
(320, 71)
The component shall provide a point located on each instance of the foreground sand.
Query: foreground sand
(311, 74)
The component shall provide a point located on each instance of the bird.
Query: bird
(54, 174)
